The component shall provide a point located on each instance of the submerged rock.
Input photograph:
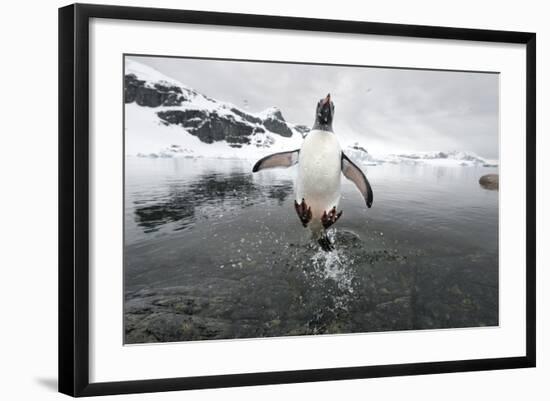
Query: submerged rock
(489, 181)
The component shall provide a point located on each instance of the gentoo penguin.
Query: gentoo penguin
(320, 161)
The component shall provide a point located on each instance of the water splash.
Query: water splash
(335, 266)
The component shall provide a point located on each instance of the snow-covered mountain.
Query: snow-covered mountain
(165, 118)
(360, 155)
(451, 158)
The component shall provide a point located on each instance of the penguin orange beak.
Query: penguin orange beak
(326, 100)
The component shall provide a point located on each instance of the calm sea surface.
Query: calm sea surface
(213, 251)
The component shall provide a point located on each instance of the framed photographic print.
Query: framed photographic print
(251, 199)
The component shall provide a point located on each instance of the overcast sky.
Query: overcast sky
(386, 110)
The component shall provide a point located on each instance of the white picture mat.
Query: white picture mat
(111, 361)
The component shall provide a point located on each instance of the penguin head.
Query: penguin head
(324, 114)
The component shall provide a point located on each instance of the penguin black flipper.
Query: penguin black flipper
(276, 160)
(354, 174)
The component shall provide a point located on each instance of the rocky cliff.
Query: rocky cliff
(201, 116)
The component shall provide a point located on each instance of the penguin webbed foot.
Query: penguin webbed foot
(303, 211)
(328, 219)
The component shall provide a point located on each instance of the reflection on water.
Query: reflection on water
(213, 251)
(208, 191)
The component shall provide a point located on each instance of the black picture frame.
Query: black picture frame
(74, 198)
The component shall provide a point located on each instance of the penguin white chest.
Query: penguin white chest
(319, 170)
